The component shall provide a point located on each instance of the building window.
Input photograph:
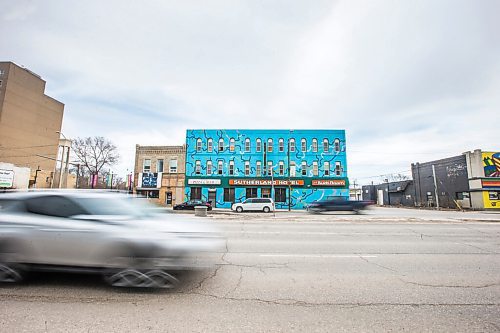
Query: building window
(337, 145)
(315, 168)
(338, 168)
(281, 145)
(198, 167)
(247, 168)
(159, 165)
(325, 145)
(146, 165)
(258, 146)
(269, 167)
(327, 168)
(229, 195)
(304, 168)
(247, 145)
(172, 165)
(292, 169)
(258, 169)
(292, 145)
(280, 195)
(270, 145)
(195, 193)
(315, 145)
(281, 168)
(231, 144)
(209, 167)
(198, 145)
(231, 168)
(251, 192)
(221, 145)
(219, 167)
(210, 145)
(303, 144)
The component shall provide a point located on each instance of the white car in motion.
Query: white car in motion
(265, 205)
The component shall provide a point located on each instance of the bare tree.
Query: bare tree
(94, 153)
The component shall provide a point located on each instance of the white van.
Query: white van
(265, 205)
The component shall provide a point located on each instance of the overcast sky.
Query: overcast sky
(409, 81)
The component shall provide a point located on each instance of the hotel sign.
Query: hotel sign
(265, 182)
(204, 181)
(332, 182)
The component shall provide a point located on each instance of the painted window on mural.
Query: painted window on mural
(247, 168)
(270, 145)
(338, 169)
(247, 145)
(337, 145)
(210, 145)
(219, 167)
(221, 145)
(281, 168)
(258, 168)
(303, 145)
(292, 169)
(281, 145)
(304, 168)
(315, 168)
(325, 145)
(198, 145)
(269, 167)
(258, 146)
(198, 167)
(209, 167)
(315, 145)
(231, 168)
(292, 145)
(231, 144)
(327, 168)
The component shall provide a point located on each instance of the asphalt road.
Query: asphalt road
(381, 272)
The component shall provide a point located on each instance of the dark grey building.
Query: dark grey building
(400, 193)
(450, 179)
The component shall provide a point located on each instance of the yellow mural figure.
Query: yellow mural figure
(491, 163)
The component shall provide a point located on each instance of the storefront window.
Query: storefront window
(229, 195)
(280, 194)
(251, 193)
(195, 193)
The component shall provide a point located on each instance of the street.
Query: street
(387, 270)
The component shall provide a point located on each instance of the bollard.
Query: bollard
(200, 211)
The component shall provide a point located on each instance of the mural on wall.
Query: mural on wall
(491, 163)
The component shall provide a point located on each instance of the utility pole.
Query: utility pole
(435, 186)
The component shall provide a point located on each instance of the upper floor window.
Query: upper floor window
(281, 145)
(209, 167)
(247, 145)
(159, 165)
(231, 144)
(221, 144)
(325, 145)
(231, 168)
(338, 168)
(198, 145)
(315, 168)
(172, 165)
(270, 167)
(247, 168)
(258, 169)
(258, 146)
(270, 145)
(281, 169)
(303, 145)
(210, 145)
(292, 145)
(198, 167)
(146, 165)
(315, 145)
(327, 168)
(219, 167)
(337, 145)
(304, 168)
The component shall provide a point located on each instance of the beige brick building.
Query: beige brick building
(159, 173)
(29, 123)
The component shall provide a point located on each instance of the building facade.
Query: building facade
(398, 193)
(30, 123)
(483, 173)
(294, 167)
(159, 173)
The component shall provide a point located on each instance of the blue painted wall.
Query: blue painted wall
(197, 150)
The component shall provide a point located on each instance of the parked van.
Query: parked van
(265, 205)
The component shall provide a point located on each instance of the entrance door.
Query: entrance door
(212, 197)
(266, 192)
(380, 197)
(169, 198)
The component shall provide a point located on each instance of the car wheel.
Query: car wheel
(131, 277)
(266, 209)
(10, 273)
(239, 209)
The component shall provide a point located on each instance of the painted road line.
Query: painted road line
(319, 255)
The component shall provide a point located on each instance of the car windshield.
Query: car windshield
(115, 206)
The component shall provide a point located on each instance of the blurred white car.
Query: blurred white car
(265, 205)
(100, 232)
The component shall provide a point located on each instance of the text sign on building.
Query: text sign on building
(204, 181)
(329, 182)
(6, 178)
(150, 180)
(261, 182)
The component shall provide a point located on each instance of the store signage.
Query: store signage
(6, 178)
(491, 183)
(262, 182)
(204, 181)
(150, 180)
(330, 182)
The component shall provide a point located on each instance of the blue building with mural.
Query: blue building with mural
(294, 167)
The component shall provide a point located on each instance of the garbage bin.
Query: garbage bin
(200, 211)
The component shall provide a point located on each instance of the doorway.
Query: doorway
(212, 197)
(266, 192)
